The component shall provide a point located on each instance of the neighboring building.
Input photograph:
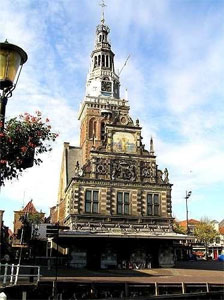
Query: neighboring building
(112, 195)
(191, 223)
(30, 210)
(215, 247)
(221, 224)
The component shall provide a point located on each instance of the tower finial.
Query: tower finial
(151, 147)
(102, 4)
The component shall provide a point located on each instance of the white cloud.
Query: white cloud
(174, 78)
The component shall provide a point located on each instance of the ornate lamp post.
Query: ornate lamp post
(12, 59)
(188, 194)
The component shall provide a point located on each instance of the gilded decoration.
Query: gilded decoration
(124, 142)
(123, 169)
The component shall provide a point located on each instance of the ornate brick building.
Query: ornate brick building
(112, 195)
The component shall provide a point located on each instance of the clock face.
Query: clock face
(106, 86)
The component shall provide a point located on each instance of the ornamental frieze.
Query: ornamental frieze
(123, 169)
(121, 228)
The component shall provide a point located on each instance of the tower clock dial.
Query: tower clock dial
(106, 86)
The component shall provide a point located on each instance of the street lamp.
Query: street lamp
(188, 194)
(12, 59)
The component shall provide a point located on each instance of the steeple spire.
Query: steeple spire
(102, 4)
(102, 79)
(151, 147)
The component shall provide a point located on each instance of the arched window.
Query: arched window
(92, 128)
(103, 60)
(99, 58)
(107, 61)
(100, 38)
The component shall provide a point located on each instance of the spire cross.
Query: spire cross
(102, 4)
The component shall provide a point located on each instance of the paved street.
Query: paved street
(188, 272)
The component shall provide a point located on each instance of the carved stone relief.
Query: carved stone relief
(123, 169)
(148, 170)
(101, 166)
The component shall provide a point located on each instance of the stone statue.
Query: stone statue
(166, 176)
(77, 169)
(159, 176)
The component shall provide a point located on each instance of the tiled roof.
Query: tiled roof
(30, 208)
(190, 222)
(221, 230)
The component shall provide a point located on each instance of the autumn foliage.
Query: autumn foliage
(23, 139)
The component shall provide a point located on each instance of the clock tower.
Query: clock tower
(102, 96)
(112, 194)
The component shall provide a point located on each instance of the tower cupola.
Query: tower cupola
(102, 79)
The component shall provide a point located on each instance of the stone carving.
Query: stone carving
(101, 167)
(77, 169)
(148, 170)
(166, 176)
(159, 176)
(123, 169)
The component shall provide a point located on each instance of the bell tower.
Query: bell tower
(102, 96)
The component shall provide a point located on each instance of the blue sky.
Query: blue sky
(174, 78)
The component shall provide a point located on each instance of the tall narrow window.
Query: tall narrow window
(88, 202)
(102, 131)
(92, 128)
(153, 205)
(99, 58)
(91, 201)
(111, 63)
(107, 61)
(95, 202)
(103, 60)
(95, 61)
(122, 203)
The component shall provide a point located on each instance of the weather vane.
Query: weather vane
(102, 4)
